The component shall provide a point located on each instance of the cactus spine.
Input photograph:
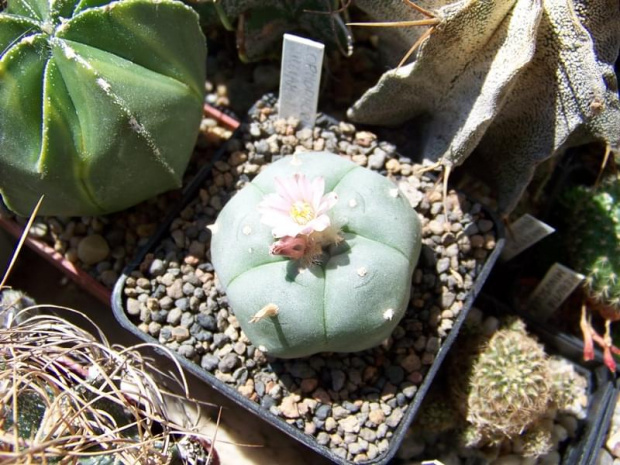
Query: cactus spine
(509, 385)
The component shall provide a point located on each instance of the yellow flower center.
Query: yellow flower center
(301, 212)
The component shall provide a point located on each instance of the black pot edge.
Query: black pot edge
(398, 435)
(603, 392)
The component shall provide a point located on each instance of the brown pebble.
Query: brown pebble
(476, 241)
(180, 333)
(288, 407)
(247, 389)
(322, 396)
(93, 249)
(392, 165)
(435, 227)
(370, 374)
(376, 417)
(416, 377)
(434, 196)
(489, 241)
(309, 428)
(364, 138)
(308, 385)
(411, 363)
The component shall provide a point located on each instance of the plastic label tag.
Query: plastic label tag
(559, 282)
(523, 234)
(302, 62)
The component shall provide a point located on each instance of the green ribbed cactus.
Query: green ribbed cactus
(309, 272)
(509, 383)
(593, 240)
(100, 102)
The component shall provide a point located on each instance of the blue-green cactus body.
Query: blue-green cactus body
(100, 102)
(359, 292)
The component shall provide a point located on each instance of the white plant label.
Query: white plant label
(524, 233)
(302, 62)
(556, 286)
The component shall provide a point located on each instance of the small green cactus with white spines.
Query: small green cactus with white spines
(306, 272)
(100, 102)
(509, 382)
(490, 378)
(568, 388)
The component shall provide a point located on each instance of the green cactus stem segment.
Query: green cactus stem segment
(593, 243)
(100, 102)
(355, 296)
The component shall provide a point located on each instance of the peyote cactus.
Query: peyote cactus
(338, 277)
(593, 245)
(100, 102)
(509, 383)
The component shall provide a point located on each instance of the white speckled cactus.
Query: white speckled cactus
(100, 102)
(339, 277)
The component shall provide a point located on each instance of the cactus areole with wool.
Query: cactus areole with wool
(316, 255)
(100, 102)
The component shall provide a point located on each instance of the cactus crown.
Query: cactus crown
(509, 384)
(100, 102)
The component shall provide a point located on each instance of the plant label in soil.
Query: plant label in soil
(524, 233)
(302, 60)
(556, 286)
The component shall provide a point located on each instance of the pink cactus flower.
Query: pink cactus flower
(298, 206)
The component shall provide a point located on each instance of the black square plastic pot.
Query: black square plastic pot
(310, 399)
(602, 393)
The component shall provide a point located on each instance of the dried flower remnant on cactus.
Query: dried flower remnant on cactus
(297, 212)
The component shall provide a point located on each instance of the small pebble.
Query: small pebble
(93, 249)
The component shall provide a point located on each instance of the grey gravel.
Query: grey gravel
(352, 403)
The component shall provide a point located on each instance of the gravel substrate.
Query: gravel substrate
(350, 403)
(103, 245)
(610, 454)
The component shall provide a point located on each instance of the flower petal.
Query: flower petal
(320, 223)
(287, 188)
(287, 229)
(305, 188)
(318, 188)
(327, 202)
(274, 202)
(273, 219)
